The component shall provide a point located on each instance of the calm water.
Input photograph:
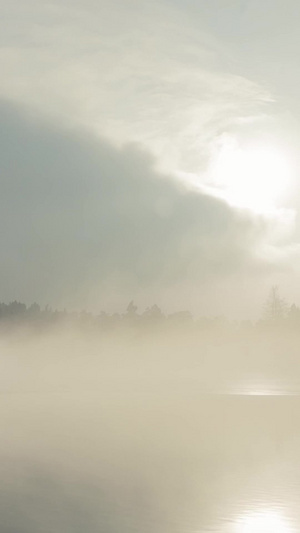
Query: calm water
(150, 462)
(147, 452)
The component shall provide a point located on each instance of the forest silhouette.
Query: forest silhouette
(274, 312)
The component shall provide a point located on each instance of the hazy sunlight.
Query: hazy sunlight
(252, 177)
(263, 522)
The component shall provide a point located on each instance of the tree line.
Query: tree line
(275, 311)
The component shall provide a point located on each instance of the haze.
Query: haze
(150, 266)
(114, 118)
(153, 426)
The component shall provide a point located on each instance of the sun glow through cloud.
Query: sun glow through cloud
(254, 177)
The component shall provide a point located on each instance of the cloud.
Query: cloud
(133, 90)
(81, 216)
(133, 72)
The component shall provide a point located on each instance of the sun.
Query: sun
(252, 176)
(268, 521)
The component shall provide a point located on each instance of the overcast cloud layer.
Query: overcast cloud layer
(107, 111)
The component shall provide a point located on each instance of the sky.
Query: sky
(149, 151)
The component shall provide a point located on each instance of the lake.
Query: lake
(146, 447)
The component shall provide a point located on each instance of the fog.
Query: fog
(150, 152)
(161, 429)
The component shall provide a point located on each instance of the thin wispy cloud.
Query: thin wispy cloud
(132, 73)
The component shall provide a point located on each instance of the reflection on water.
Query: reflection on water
(147, 446)
(151, 463)
(262, 387)
(262, 521)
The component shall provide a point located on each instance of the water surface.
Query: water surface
(150, 445)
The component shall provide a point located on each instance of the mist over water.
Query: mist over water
(149, 431)
(149, 150)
